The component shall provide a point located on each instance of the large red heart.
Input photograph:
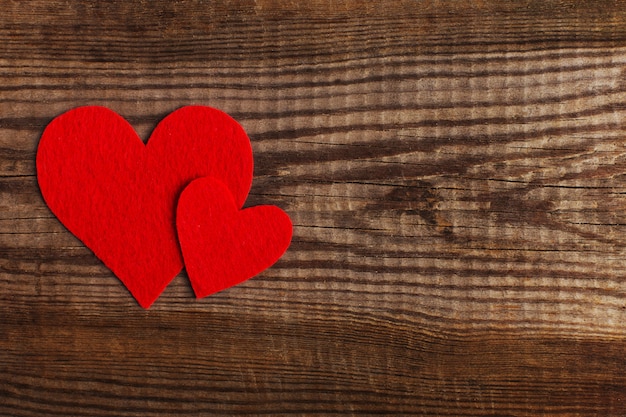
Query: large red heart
(223, 245)
(119, 196)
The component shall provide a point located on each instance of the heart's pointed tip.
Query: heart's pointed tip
(200, 296)
(145, 296)
(200, 292)
(145, 305)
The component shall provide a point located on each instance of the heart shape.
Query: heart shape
(119, 196)
(222, 245)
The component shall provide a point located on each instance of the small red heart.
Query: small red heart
(119, 196)
(222, 245)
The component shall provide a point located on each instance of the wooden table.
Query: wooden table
(454, 172)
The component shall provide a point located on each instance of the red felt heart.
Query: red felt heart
(223, 245)
(119, 196)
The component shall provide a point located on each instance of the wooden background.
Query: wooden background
(454, 172)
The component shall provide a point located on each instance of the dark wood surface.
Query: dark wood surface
(454, 172)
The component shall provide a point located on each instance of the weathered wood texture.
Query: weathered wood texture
(454, 171)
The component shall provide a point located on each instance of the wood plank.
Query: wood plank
(454, 172)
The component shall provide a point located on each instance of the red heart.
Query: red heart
(119, 196)
(223, 245)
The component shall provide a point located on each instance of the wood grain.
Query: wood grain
(454, 172)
